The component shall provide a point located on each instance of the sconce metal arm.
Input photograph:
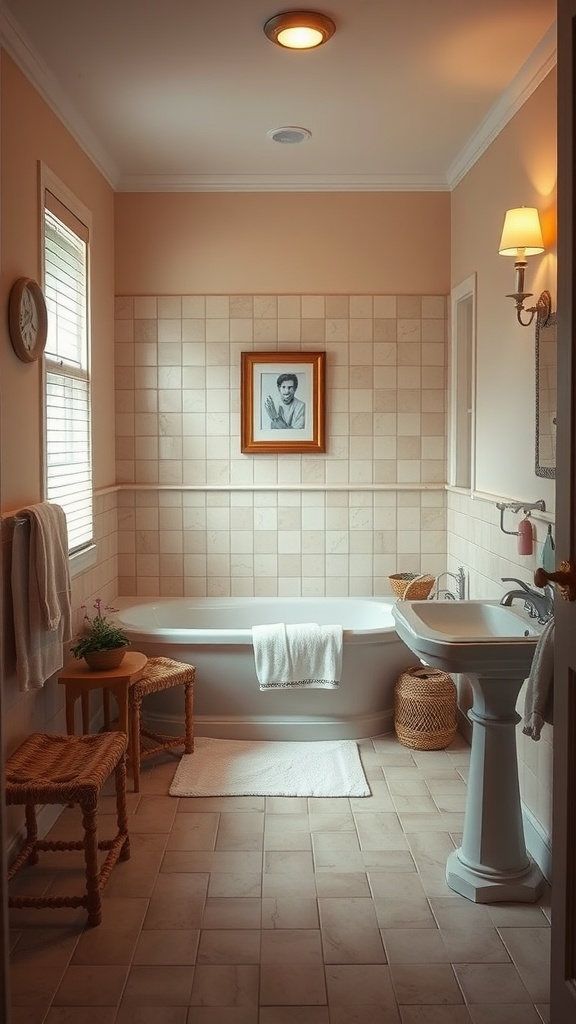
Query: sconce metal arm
(541, 310)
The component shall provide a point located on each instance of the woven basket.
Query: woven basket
(410, 585)
(425, 708)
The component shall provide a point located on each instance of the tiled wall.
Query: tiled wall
(203, 518)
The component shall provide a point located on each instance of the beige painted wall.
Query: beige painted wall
(519, 169)
(283, 243)
(31, 132)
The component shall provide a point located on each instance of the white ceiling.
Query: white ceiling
(180, 94)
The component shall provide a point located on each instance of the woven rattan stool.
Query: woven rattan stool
(425, 708)
(49, 769)
(159, 674)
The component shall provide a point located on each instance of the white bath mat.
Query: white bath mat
(270, 768)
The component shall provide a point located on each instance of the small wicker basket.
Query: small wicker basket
(410, 585)
(425, 708)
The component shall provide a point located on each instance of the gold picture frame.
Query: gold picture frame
(282, 399)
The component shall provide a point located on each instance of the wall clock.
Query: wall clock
(27, 319)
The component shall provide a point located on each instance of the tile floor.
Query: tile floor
(253, 910)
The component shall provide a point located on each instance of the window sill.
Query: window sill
(83, 560)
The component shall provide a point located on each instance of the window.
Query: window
(68, 456)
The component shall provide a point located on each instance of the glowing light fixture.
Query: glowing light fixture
(522, 237)
(300, 30)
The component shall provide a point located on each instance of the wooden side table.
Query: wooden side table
(79, 680)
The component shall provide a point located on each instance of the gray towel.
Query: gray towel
(538, 703)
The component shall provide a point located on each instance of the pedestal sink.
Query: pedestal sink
(493, 645)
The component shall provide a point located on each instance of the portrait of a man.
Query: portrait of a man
(286, 412)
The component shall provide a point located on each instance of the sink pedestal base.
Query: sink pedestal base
(492, 864)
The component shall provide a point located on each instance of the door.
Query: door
(563, 960)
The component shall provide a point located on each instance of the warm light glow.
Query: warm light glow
(299, 38)
(521, 231)
(299, 30)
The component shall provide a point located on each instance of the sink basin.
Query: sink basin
(483, 637)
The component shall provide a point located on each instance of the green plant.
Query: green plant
(99, 634)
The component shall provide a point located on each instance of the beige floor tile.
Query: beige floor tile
(360, 985)
(361, 1015)
(223, 884)
(296, 862)
(291, 946)
(520, 1013)
(114, 941)
(476, 946)
(225, 985)
(429, 822)
(517, 915)
(344, 883)
(81, 1015)
(92, 986)
(289, 913)
(395, 885)
(158, 986)
(536, 978)
(174, 947)
(229, 946)
(151, 1015)
(328, 804)
(294, 1015)
(491, 983)
(287, 841)
(153, 814)
(388, 860)
(34, 991)
(222, 1015)
(244, 841)
(435, 1015)
(275, 822)
(346, 842)
(404, 912)
(276, 884)
(425, 983)
(286, 805)
(193, 832)
(240, 912)
(455, 912)
(349, 932)
(249, 821)
(50, 947)
(216, 860)
(338, 860)
(292, 985)
(414, 946)
(527, 946)
(134, 877)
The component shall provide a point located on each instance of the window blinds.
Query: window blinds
(68, 414)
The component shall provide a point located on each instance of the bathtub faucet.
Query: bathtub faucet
(459, 578)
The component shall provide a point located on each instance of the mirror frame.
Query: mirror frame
(543, 471)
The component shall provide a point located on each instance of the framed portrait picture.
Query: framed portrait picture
(282, 402)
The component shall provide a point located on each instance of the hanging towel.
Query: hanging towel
(539, 692)
(40, 593)
(297, 655)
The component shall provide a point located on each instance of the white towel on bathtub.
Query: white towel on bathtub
(299, 655)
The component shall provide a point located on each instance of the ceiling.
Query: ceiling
(178, 95)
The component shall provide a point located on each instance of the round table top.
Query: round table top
(131, 667)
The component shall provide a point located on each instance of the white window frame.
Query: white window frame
(85, 555)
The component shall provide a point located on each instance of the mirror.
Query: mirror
(546, 396)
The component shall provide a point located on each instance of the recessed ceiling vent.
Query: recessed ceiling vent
(288, 135)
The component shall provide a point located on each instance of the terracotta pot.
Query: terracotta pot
(101, 660)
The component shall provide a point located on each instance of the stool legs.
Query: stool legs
(90, 826)
(135, 717)
(189, 718)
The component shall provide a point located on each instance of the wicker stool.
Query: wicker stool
(159, 674)
(425, 708)
(70, 770)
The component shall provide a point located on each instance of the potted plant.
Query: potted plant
(101, 643)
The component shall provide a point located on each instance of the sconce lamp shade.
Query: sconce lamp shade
(521, 231)
(299, 30)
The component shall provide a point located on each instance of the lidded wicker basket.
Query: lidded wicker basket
(425, 708)
(411, 585)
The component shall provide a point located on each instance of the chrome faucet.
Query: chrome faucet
(538, 603)
(460, 579)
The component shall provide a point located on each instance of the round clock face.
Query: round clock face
(28, 320)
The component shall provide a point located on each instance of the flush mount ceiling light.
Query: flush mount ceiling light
(300, 30)
(289, 135)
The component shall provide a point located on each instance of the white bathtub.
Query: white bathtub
(214, 634)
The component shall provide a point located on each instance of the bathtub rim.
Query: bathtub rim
(206, 637)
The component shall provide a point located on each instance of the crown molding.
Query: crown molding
(530, 76)
(36, 71)
(278, 183)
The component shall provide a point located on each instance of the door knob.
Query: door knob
(565, 577)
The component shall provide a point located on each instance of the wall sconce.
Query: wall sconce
(300, 30)
(522, 237)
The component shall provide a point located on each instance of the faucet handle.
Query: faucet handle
(512, 579)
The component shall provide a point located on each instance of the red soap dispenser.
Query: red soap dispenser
(525, 537)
